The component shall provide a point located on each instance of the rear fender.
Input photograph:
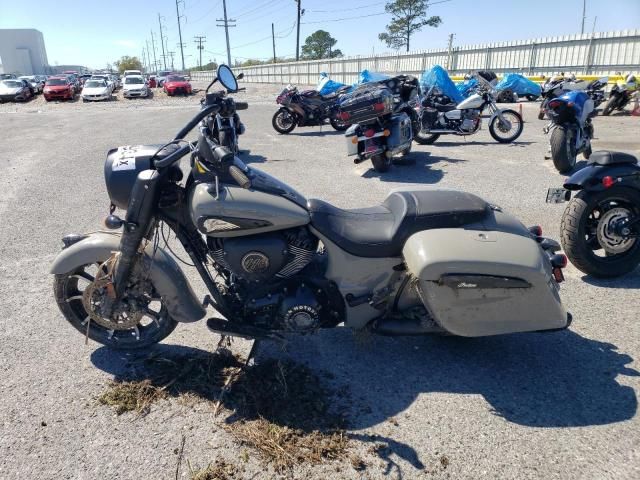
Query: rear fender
(590, 177)
(165, 274)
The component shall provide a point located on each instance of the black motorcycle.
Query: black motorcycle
(621, 94)
(600, 228)
(595, 90)
(307, 109)
(225, 125)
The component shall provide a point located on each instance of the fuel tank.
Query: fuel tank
(234, 212)
(474, 101)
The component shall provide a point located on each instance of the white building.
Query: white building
(22, 51)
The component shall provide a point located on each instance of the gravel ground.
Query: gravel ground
(553, 406)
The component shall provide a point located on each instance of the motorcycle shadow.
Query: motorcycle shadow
(517, 143)
(420, 169)
(630, 280)
(549, 380)
(316, 133)
(247, 157)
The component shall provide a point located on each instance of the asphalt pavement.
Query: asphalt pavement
(557, 405)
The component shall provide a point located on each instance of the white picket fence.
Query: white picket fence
(603, 53)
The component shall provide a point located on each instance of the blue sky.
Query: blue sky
(94, 33)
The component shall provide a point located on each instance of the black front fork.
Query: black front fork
(138, 224)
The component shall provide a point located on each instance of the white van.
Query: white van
(131, 72)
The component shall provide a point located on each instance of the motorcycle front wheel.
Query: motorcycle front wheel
(283, 122)
(611, 105)
(563, 149)
(588, 237)
(503, 134)
(154, 325)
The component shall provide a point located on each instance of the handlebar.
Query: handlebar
(208, 110)
(238, 175)
(174, 157)
(242, 105)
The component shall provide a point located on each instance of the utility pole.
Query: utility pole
(273, 37)
(143, 60)
(171, 54)
(148, 56)
(164, 56)
(450, 50)
(155, 60)
(225, 24)
(180, 33)
(298, 35)
(200, 39)
(584, 14)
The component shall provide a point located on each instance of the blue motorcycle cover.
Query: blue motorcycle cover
(366, 76)
(466, 88)
(439, 78)
(326, 86)
(518, 84)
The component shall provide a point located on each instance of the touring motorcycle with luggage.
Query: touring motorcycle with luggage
(621, 94)
(383, 119)
(571, 128)
(307, 109)
(439, 116)
(600, 228)
(274, 262)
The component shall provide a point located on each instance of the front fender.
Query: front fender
(165, 274)
(590, 177)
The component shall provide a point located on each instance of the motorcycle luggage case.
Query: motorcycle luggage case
(367, 104)
(477, 283)
(401, 135)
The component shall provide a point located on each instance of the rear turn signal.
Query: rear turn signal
(559, 260)
(536, 230)
(558, 275)
(344, 116)
(608, 181)
(386, 132)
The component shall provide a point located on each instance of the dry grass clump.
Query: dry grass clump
(282, 410)
(220, 470)
(131, 396)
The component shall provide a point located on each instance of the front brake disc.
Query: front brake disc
(122, 317)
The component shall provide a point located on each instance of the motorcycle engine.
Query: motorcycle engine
(470, 119)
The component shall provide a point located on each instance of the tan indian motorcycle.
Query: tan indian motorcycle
(423, 261)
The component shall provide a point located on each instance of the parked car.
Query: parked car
(95, 90)
(85, 77)
(7, 76)
(135, 86)
(162, 76)
(14, 90)
(59, 88)
(105, 78)
(117, 83)
(36, 85)
(137, 73)
(175, 84)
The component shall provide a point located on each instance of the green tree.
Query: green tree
(128, 63)
(320, 45)
(407, 18)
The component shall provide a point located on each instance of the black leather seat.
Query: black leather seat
(445, 107)
(611, 158)
(381, 231)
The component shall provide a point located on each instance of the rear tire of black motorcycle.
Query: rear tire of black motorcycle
(425, 139)
(572, 236)
(610, 107)
(381, 163)
(561, 158)
(277, 128)
(338, 125)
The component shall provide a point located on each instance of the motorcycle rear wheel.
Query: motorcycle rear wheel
(425, 138)
(611, 106)
(381, 163)
(495, 129)
(563, 151)
(155, 325)
(579, 232)
(283, 122)
(338, 125)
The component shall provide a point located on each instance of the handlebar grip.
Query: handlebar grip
(238, 175)
(242, 105)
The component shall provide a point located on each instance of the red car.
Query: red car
(59, 88)
(175, 84)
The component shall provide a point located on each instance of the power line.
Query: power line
(346, 18)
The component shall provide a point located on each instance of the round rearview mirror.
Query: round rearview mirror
(227, 78)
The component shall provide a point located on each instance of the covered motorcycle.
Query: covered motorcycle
(514, 83)
(437, 80)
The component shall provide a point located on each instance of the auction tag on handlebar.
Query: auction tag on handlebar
(558, 195)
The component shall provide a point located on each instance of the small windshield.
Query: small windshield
(175, 78)
(12, 83)
(56, 81)
(94, 84)
(133, 81)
